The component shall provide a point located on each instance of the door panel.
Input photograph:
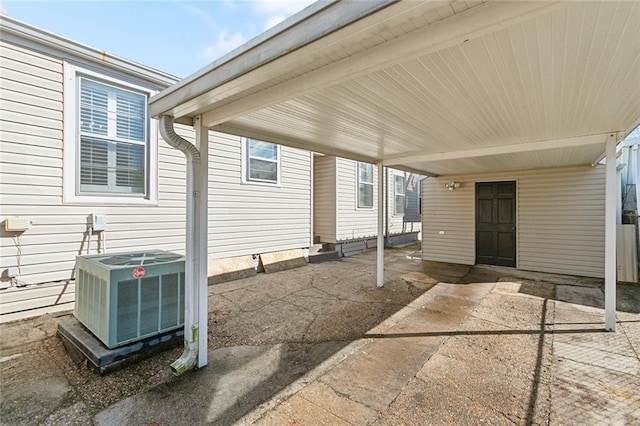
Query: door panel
(496, 223)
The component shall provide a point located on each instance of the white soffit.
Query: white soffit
(433, 78)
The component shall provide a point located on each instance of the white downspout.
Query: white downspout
(190, 354)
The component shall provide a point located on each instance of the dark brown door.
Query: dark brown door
(496, 223)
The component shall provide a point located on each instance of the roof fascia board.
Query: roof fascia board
(310, 24)
(499, 150)
(260, 134)
(10, 26)
(480, 20)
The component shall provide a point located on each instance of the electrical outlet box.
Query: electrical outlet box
(17, 224)
(98, 222)
(13, 271)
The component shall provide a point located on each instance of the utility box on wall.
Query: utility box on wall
(125, 297)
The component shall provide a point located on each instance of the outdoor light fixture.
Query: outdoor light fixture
(452, 185)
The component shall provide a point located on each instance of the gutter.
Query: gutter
(189, 357)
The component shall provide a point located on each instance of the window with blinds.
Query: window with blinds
(113, 140)
(262, 161)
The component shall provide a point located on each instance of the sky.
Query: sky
(174, 36)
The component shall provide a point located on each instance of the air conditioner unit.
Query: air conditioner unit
(125, 297)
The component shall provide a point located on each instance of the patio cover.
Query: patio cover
(436, 87)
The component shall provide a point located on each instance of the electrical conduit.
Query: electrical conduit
(189, 356)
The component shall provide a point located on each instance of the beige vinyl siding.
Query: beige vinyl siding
(353, 222)
(31, 161)
(243, 218)
(560, 224)
(324, 202)
(249, 218)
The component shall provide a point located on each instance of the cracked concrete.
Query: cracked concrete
(439, 344)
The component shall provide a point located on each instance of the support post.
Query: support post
(201, 234)
(381, 206)
(610, 234)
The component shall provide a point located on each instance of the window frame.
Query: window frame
(396, 194)
(246, 179)
(73, 73)
(358, 182)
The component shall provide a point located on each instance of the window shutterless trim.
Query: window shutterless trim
(71, 142)
(246, 164)
(396, 194)
(358, 182)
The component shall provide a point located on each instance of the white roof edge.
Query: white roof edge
(9, 25)
(275, 43)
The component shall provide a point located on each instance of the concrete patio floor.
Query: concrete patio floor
(439, 344)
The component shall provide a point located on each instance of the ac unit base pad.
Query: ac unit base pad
(83, 345)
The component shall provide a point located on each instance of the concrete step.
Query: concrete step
(321, 252)
(323, 256)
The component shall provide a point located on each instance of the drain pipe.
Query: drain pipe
(190, 354)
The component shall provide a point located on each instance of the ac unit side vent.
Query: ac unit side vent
(125, 297)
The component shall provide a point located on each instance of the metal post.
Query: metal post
(380, 249)
(201, 232)
(610, 235)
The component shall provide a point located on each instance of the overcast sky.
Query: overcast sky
(178, 37)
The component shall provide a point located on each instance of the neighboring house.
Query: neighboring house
(548, 220)
(628, 208)
(346, 200)
(76, 140)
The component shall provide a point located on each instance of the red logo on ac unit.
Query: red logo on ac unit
(138, 272)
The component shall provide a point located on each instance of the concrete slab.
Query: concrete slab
(282, 260)
(452, 353)
(335, 402)
(84, 346)
(231, 268)
(299, 411)
(588, 394)
(33, 387)
(584, 296)
(235, 381)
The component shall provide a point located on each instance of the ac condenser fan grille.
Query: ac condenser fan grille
(139, 259)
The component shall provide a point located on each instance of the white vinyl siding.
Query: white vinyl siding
(560, 219)
(324, 201)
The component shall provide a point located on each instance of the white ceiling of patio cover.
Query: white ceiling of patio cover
(552, 80)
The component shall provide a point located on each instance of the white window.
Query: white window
(365, 185)
(261, 162)
(110, 142)
(399, 194)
